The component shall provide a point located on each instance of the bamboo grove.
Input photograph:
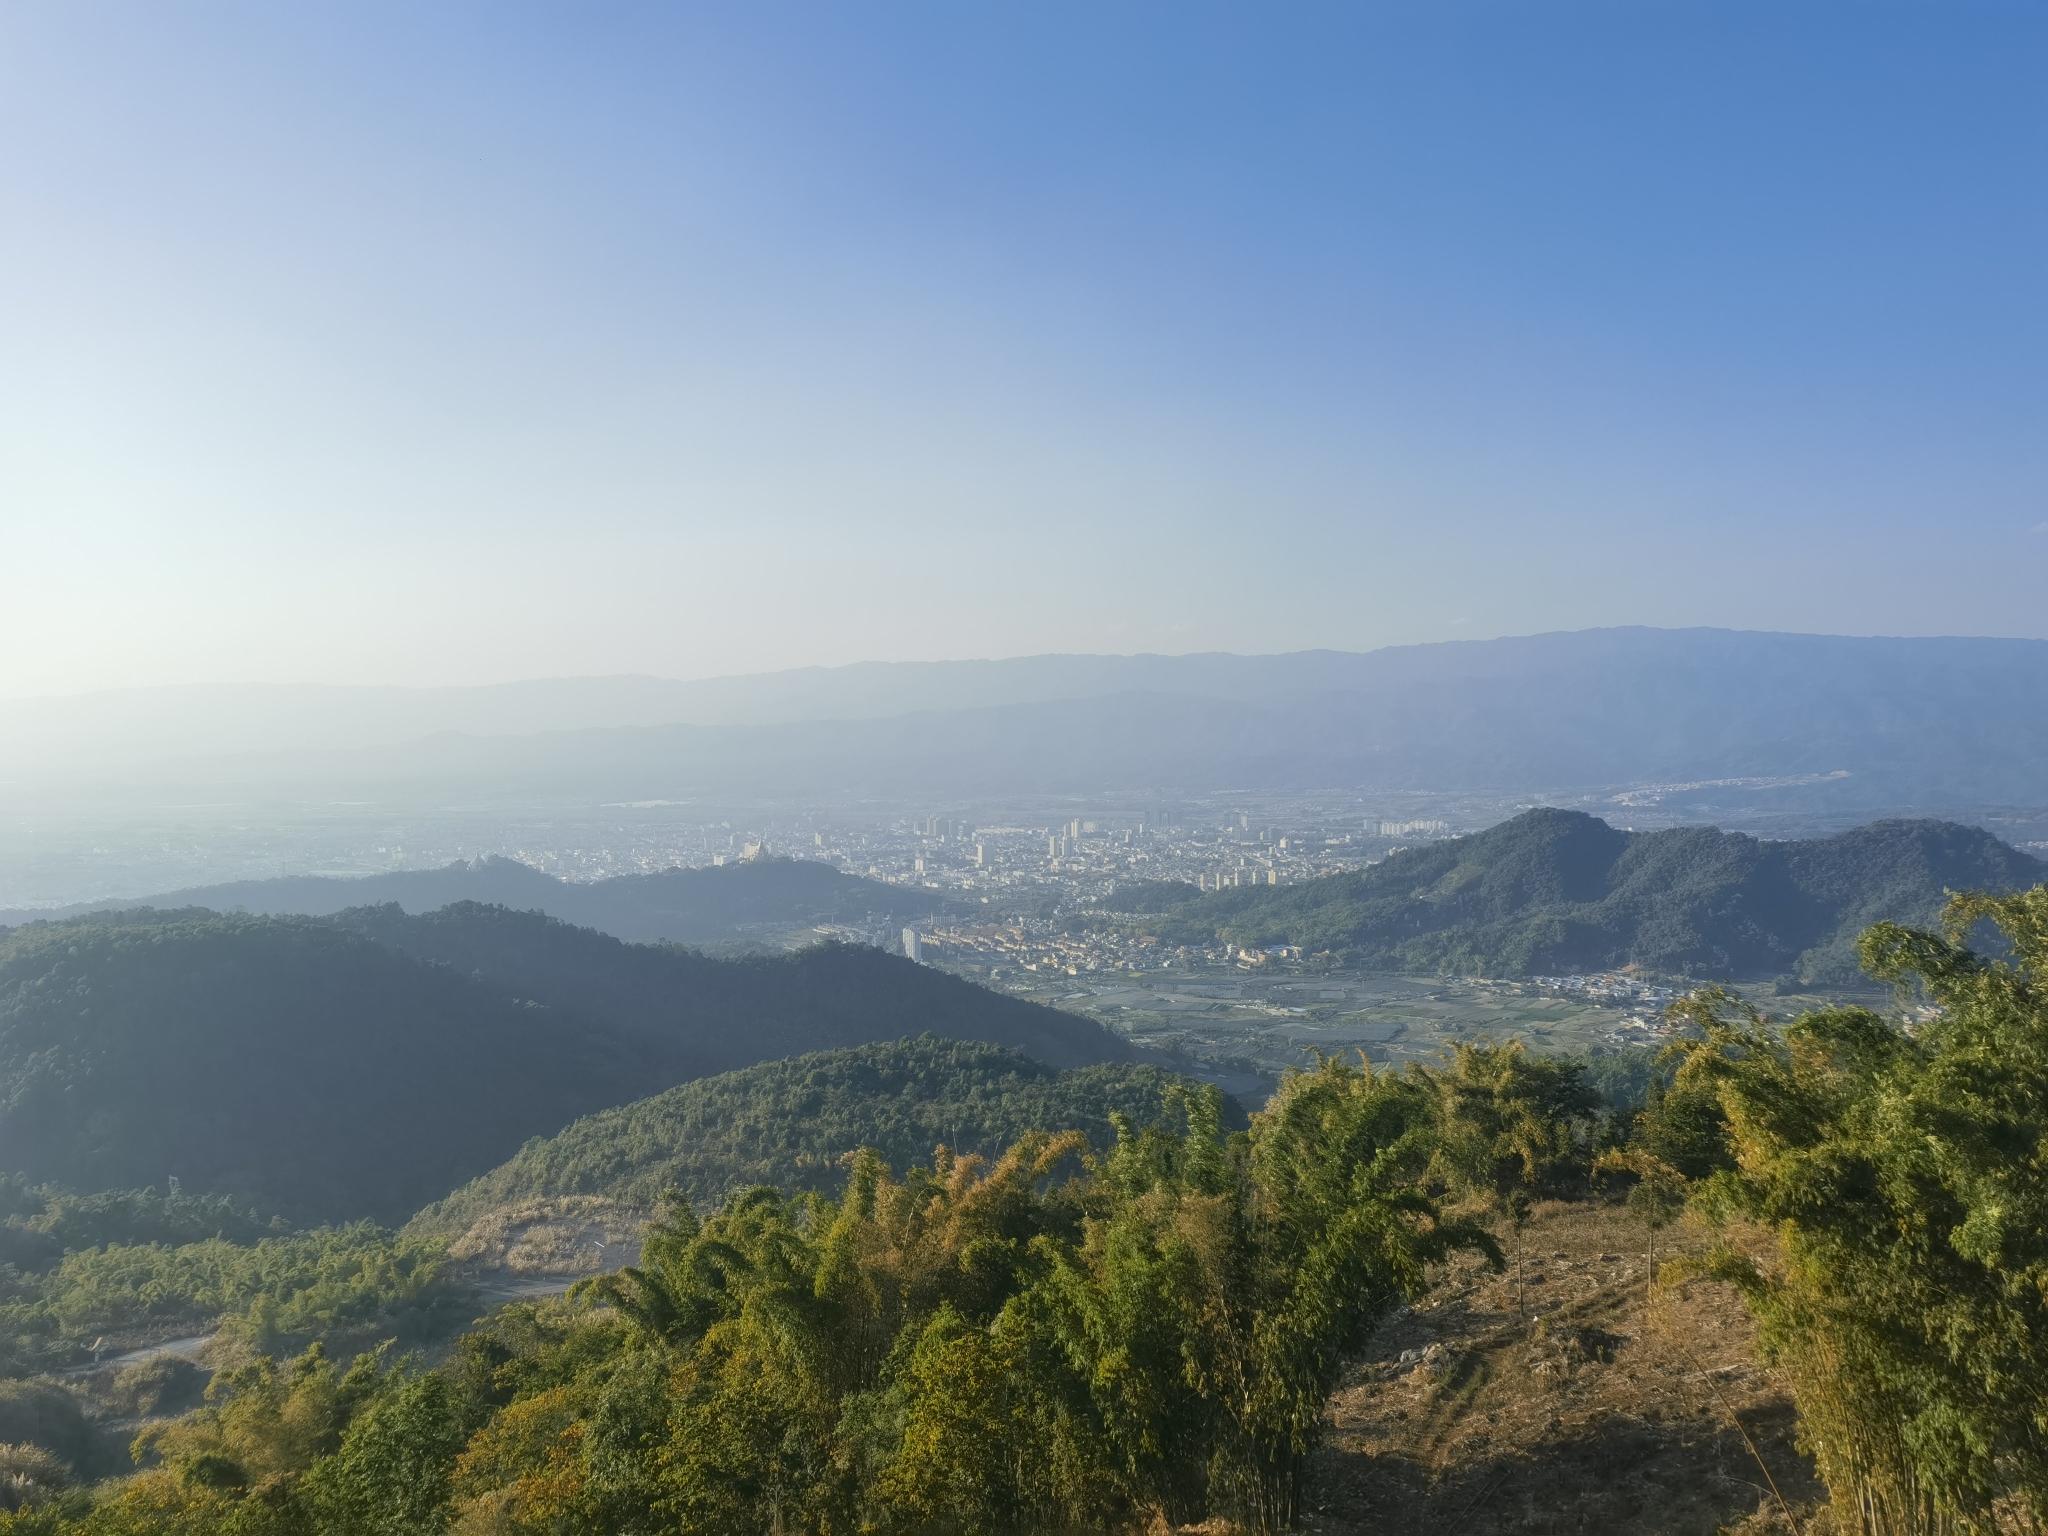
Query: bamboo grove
(1068, 1339)
(1054, 1342)
(1903, 1174)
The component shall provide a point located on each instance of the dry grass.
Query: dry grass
(572, 1235)
(1574, 1411)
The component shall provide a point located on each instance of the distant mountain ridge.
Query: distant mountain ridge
(174, 722)
(365, 1064)
(716, 1015)
(1906, 722)
(1559, 891)
(684, 906)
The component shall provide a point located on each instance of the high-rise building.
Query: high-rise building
(912, 949)
(980, 855)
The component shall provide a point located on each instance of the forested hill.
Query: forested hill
(339, 1068)
(788, 1123)
(288, 1062)
(702, 1015)
(686, 906)
(1560, 891)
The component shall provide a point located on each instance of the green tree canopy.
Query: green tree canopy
(1904, 1172)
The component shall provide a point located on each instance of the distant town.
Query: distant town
(1029, 862)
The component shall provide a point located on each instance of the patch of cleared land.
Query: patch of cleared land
(1578, 1401)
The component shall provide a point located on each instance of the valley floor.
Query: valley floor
(1572, 1412)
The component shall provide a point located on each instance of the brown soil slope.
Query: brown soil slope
(1572, 1412)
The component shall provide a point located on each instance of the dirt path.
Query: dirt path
(1579, 1416)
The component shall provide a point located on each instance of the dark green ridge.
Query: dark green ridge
(1559, 891)
(361, 1066)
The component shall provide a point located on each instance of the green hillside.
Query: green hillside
(1559, 891)
(306, 1068)
(788, 1122)
(359, 1067)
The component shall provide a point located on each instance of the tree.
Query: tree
(1507, 1127)
(1904, 1172)
(393, 1475)
(1218, 1291)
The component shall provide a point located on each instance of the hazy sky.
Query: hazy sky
(446, 343)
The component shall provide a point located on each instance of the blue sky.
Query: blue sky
(450, 343)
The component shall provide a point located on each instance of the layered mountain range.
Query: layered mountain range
(1868, 722)
(683, 906)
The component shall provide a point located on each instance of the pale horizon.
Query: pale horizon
(373, 345)
(225, 684)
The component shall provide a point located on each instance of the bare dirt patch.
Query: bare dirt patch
(572, 1235)
(1575, 1402)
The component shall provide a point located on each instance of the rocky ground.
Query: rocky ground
(1576, 1400)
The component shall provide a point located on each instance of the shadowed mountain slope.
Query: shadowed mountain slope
(1556, 891)
(310, 1069)
(704, 1015)
(364, 1065)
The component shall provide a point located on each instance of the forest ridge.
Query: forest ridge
(1555, 891)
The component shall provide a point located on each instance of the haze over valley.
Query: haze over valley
(137, 793)
(1112, 770)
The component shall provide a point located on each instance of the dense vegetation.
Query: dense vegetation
(361, 1066)
(1904, 1176)
(1051, 1339)
(1558, 891)
(40, 1223)
(1045, 1340)
(792, 1123)
(128, 1265)
(289, 1062)
(101, 1273)
(972, 1346)
(303, 1286)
